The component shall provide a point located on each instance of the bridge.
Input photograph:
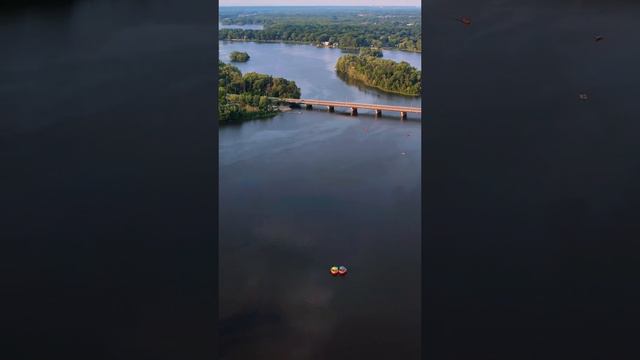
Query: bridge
(331, 105)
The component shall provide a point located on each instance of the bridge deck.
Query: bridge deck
(407, 109)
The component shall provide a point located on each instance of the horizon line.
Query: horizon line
(369, 6)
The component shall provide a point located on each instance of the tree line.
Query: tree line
(349, 28)
(386, 75)
(346, 36)
(264, 15)
(370, 52)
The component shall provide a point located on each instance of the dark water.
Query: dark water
(108, 148)
(531, 196)
(307, 190)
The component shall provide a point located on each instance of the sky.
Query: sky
(319, 2)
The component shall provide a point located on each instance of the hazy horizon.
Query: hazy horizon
(368, 3)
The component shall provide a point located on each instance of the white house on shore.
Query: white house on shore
(328, 44)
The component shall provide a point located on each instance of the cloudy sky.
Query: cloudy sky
(321, 2)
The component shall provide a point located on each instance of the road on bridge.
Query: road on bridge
(403, 110)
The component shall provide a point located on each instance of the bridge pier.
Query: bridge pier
(309, 106)
(331, 109)
(354, 111)
(378, 112)
(403, 115)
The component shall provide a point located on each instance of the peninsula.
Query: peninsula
(245, 97)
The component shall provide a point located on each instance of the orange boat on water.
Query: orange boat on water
(464, 20)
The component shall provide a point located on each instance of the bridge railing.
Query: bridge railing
(332, 103)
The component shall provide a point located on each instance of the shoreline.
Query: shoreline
(312, 44)
(252, 116)
(259, 116)
(345, 77)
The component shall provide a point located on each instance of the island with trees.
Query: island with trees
(239, 56)
(247, 96)
(386, 75)
(344, 28)
(371, 52)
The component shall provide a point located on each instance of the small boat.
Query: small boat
(342, 271)
(334, 270)
(466, 21)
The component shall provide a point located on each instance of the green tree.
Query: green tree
(387, 75)
(370, 52)
(242, 97)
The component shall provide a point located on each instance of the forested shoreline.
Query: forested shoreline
(246, 96)
(386, 75)
(371, 52)
(342, 28)
(345, 37)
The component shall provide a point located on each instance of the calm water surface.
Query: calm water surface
(306, 190)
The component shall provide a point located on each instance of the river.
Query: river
(306, 190)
